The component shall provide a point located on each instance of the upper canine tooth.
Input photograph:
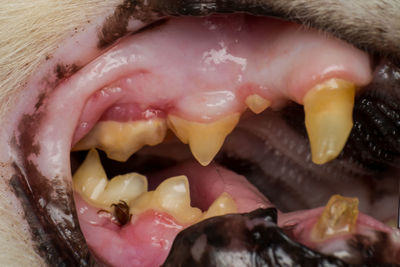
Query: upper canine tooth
(328, 111)
(121, 139)
(90, 179)
(339, 217)
(204, 139)
(257, 103)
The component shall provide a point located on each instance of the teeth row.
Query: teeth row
(122, 139)
(171, 196)
(328, 117)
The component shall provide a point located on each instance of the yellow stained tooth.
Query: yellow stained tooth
(90, 179)
(125, 187)
(339, 217)
(224, 204)
(328, 111)
(121, 139)
(204, 139)
(257, 103)
(171, 196)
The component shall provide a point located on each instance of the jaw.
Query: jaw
(55, 160)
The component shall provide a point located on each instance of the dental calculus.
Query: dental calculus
(172, 196)
(338, 218)
(328, 111)
(328, 118)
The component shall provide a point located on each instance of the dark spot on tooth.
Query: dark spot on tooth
(65, 71)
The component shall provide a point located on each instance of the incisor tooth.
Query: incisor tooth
(171, 196)
(121, 139)
(204, 139)
(90, 179)
(224, 204)
(257, 103)
(91, 182)
(339, 217)
(328, 111)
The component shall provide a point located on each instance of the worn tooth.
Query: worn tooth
(257, 103)
(125, 187)
(328, 116)
(90, 179)
(171, 196)
(204, 139)
(224, 204)
(339, 217)
(121, 139)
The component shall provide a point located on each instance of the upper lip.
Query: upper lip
(69, 248)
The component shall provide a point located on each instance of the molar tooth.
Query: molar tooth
(125, 187)
(90, 179)
(257, 103)
(328, 111)
(224, 204)
(339, 217)
(204, 139)
(121, 139)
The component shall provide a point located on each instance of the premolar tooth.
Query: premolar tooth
(125, 187)
(171, 196)
(90, 179)
(224, 204)
(257, 103)
(339, 217)
(328, 111)
(121, 139)
(204, 139)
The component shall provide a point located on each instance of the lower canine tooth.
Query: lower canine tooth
(257, 103)
(121, 139)
(90, 179)
(328, 111)
(339, 217)
(204, 139)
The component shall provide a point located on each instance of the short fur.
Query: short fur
(30, 31)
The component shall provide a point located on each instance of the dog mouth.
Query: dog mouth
(203, 117)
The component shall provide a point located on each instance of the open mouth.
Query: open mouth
(192, 118)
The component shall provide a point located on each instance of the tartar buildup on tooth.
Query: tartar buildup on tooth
(328, 111)
(172, 196)
(339, 217)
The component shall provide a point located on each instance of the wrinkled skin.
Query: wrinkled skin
(30, 32)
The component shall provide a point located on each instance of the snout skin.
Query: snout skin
(30, 32)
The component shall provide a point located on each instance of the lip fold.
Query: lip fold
(44, 176)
